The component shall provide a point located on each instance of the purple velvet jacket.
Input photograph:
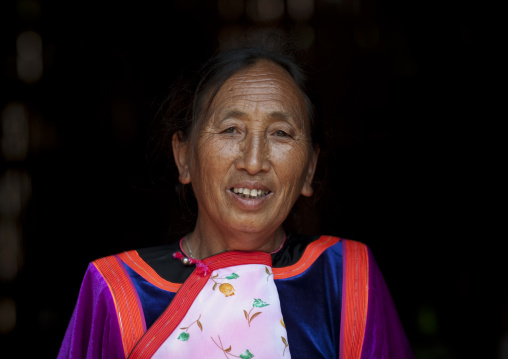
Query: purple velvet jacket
(333, 298)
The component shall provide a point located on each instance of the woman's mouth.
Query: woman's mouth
(249, 193)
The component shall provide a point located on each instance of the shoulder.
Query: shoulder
(298, 248)
(149, 254)
(94, 318)
(303, 250)
(155, 261)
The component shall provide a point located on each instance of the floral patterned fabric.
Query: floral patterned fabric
(236, 315)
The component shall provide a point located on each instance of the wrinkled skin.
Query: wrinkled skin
(256, 135)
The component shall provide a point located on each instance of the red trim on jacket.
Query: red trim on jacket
(137, 264)
(130, 314)
(355, 297)
(312, 252)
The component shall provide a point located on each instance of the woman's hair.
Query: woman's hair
(190, 97)
(188, 102)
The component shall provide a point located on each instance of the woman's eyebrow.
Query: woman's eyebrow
(232, 113)
(274, 115)
(284, 116)
(281, 116)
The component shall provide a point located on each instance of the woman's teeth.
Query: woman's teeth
(250, 193)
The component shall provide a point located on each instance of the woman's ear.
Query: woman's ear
(181, 158)
(307, 189)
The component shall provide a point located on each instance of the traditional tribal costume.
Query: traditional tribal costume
(316, 297)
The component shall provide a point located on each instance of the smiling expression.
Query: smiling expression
(253, 155)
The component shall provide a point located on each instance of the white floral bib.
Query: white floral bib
(235, 315)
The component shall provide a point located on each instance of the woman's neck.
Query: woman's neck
(206, 242)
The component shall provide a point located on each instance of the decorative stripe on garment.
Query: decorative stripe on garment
(128, 307)
(312, 252)
(136, 263)
(355, 296)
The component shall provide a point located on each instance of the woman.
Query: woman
(237, 285)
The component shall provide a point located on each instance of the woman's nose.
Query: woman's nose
(254, 151)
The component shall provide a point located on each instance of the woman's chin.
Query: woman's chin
(242, 227)
(253, 215)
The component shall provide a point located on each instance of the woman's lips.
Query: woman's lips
(250, 196)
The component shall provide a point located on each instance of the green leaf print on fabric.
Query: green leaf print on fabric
(258, 303)
(227, 352)
(184, 336)
(232, 276)
(247, 355)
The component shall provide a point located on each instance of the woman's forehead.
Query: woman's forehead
(264, 86)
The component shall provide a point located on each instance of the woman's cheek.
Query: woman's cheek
(292, 154)
(228, 148)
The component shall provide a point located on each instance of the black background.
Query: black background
(412, 164)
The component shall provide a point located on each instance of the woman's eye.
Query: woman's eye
(229, 130)
(281, 133)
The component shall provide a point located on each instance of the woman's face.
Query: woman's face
(256, 140)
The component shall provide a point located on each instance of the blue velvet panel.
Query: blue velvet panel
(153, 299)
(311, 306)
